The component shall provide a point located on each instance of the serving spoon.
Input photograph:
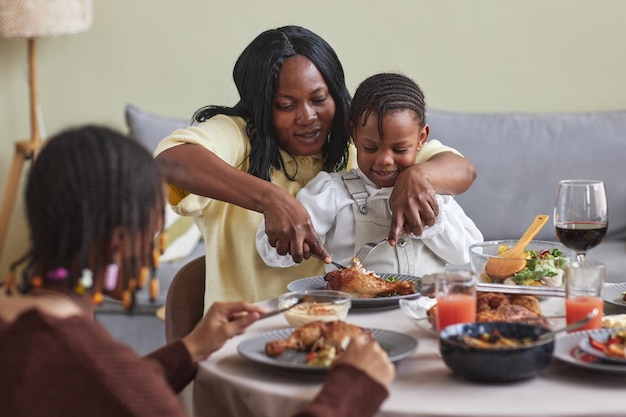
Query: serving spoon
(511, 261)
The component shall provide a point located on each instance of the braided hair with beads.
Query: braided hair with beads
(383, 94)
(87, 185)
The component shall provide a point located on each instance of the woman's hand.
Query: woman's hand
(369, 357)
(289, 229)
(221, 322)
(413, 203)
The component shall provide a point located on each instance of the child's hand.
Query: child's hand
(370, 358)
(221, 322)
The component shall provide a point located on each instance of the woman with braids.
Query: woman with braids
(239, 166)
(94, 203)
(387, 122)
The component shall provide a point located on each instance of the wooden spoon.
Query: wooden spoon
(511, 261)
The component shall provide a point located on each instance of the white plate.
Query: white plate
(318, 282)
(601, 336)
(397, 345)
(613, 294)
(417, 312)
(567, 349)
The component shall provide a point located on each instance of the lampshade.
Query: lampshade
(43, 18)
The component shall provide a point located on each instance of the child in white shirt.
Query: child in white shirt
(349, 209)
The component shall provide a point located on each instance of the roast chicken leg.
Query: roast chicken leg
(365, 284)
(317, 335)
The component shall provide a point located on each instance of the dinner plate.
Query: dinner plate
(601, 336)
(318, 282)
(567, 349)
(397, 345)
(613, 294)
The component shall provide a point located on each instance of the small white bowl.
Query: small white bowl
(417, 312)
(326, 305)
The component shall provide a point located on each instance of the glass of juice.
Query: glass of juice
(583, 292)
(456, 297)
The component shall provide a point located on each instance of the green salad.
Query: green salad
(543, 267)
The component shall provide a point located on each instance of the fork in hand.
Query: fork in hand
(367, 248)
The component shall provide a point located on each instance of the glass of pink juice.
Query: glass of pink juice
(584, 283)
(456, 297)
(577, 308)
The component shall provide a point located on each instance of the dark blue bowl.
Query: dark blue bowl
(495, 365)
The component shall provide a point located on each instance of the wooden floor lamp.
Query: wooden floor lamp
(32, 19)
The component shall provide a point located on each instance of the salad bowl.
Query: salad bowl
(544, 262)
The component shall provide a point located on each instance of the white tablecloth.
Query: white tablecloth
(229, 385)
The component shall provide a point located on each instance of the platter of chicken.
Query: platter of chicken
(368, 289)
(313, 347)
(490, 307)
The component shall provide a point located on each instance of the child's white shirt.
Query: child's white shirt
(331, 208)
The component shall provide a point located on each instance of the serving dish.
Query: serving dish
(416, 311)
(567, 349)
(397, 345)
(501, 364)
(545, 269)
(319, 283)
(614, 294)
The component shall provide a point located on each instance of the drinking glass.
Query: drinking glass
(456, 297)
(583, 292)
(580, 215)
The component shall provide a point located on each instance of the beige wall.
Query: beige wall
(172, 56)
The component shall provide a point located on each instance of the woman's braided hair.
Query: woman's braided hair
(86, 185)
(382, 94)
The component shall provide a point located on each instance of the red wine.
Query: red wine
(581, 237)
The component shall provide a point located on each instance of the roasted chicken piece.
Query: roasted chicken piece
(512, 313)
(489, 300)
(527, 301)
(318, 335)
(361, 283)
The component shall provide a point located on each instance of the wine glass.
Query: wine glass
(580, 215)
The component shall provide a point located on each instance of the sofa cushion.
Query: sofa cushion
(520, 158)
(150, 128)
(183, 235)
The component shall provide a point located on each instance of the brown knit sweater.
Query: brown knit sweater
(69, 367)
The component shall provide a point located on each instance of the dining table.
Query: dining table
(229, 384)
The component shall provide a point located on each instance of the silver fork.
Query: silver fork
(367, 248)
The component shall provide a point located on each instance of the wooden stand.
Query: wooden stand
(24, 150)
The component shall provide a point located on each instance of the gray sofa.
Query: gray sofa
(519, 158)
